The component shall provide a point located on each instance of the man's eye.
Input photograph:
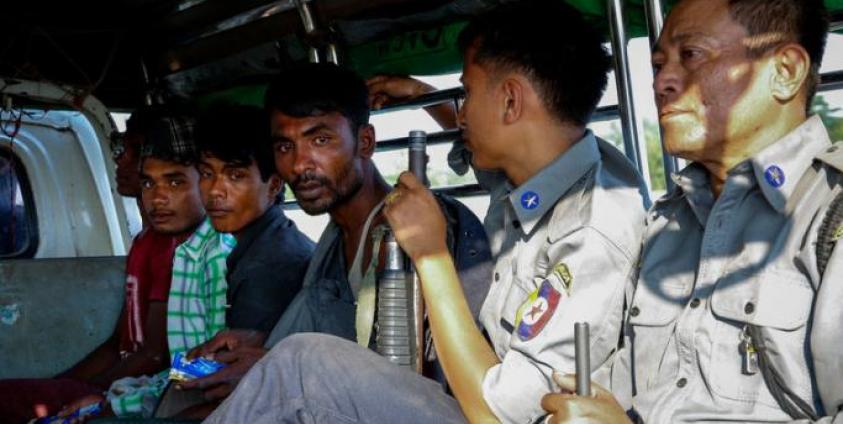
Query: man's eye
(283, 147)
(176, 183)
(690, 54)
(205, 175)
(321, 140)
(235, 176)
(146, 184)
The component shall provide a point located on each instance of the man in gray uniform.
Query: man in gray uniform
(735, 317)
(565, 229)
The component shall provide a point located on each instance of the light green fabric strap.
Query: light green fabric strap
(367, 298)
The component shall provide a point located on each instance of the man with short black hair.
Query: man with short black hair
(241, 190)
(139, 343)
(533, 73)
(736, 312)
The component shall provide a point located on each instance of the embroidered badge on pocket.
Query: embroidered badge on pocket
(536, 311)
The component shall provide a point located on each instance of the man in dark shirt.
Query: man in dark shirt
(241, 188)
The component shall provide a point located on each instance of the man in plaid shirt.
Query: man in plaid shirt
(197, 300)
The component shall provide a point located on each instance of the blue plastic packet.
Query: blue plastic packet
(184, 370)
(87, 410)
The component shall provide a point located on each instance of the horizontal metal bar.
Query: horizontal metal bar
(836, 22)
(606, 113)
(831, 81)
(462, 190)
(425, 100)
(442, 137)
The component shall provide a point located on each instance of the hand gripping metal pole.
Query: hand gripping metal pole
(400, 321)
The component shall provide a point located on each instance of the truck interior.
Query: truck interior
(71, 71)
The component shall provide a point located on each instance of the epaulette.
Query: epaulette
(833, 156)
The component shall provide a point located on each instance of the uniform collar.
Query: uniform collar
(777, 170)
(779, 167)
(533, 199)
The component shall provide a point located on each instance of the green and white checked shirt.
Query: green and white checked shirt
(196, 306)
(195, 313)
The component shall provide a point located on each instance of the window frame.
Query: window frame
(30, 213)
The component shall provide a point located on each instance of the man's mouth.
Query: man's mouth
(308, 190)
(160, 217)
(217, 212)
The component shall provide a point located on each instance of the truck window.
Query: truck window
(18, 233)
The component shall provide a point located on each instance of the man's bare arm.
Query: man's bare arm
(465, 355)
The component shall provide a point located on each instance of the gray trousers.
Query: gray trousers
(316, 378)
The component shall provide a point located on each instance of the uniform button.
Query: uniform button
(695, 302)
(516, 224)
(634, 311)
(749, 308)
(681, 382)
(497, 276)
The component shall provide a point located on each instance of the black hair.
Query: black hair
(238, 135)
(318, 88)
(551, 44)
(785, 21)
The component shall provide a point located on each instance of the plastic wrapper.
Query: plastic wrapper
(85, 411)
(185, 370)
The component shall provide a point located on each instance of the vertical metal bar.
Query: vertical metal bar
(654, 9)
(624, 84)
(147, 92)
(309, 27)
(582, 358)
(333, 55)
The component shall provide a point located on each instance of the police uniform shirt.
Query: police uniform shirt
(565, 243)
(711, 267)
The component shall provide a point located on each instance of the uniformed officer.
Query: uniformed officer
(736, 315)
(564, 224)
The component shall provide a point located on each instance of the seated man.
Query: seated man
(736, 315)
(241, 190)
(323, 148)
(138, 345)
(534, 72)
(196, 306)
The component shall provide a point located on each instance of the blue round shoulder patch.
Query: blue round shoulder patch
(530, 200)
(774, 176)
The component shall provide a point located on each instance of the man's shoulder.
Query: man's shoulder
(281, 242)
(609, 200)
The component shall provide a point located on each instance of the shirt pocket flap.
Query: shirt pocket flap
(657, 306)
(780, 299)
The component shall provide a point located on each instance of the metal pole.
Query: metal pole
(582, 358)
(624, 85)
(309, 27)
(654, 9)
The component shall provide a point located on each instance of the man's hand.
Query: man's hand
(416, 219)
(600, 407)
(221, 383)
(227, 340)
(388, 89)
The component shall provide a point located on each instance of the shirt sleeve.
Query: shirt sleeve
(585, 284)
(828, 337)
(136, 397)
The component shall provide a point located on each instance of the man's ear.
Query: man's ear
(366, 141)
(792, 65)
(513, 99)
(275, 186)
